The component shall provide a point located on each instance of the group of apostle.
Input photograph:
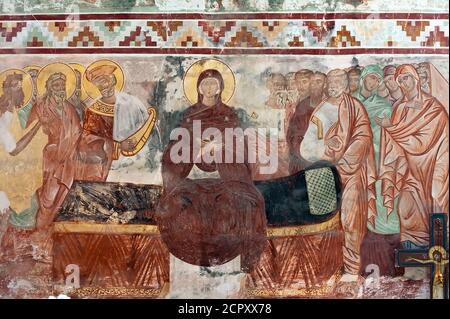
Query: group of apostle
(386, 130)
(81, 141)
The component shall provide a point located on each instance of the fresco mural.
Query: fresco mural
(279, 156)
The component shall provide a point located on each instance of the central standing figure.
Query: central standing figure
(211, 221)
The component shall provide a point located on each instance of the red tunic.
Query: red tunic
(63, 129)
(97, 149)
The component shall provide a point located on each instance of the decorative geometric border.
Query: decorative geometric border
(229, 16)
(111, 292)
(323, 291)
(39, 6)
(266, 33)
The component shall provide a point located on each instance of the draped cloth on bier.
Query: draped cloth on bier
(305, 247)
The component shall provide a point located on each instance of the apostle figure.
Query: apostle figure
(433, 83)
(424, 77)
(377, 106)
(395, 93)
(213, 220)
(12, 97)
(414, 161)
(276, 83)
(340, 132)
(60, 123)
(298, 123)
(303, 80)
(291, 100)
(20, 186)
(115, 124)
(291, 88)
(24, 112)
(354, 74)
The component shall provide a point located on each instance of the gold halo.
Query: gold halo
(82, 69)
(437, 249)
(51, 69)
(27, 84)
(91, 89)
(32, 67)
(194, 71)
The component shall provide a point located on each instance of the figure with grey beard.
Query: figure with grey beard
(61, 123)
(339, 132)
(349, 146)
(291, 88)
(276, 83)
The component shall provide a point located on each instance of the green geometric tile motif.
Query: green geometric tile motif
(321, 191)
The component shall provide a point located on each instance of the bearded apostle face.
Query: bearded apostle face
(58, 89)
(106, 85)
(353, 80)
(303, 80)
(423, 76)
(291, 84)
(371, 82)
(13, 95)
(337, 83)
(276, 83)
(318, 81)
(407, 82)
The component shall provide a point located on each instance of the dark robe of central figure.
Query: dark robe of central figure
(211, 221)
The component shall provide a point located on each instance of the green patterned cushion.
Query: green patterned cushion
(321, 188)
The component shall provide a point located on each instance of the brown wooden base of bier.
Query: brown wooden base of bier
(131, 261)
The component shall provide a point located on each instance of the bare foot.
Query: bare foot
(348, 286)
(349, 278)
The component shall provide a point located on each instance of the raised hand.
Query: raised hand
(383, 121)
(128, 145)
(333, 143)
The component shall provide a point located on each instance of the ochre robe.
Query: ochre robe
(63, 129)
(414, 165)
(355, 162)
